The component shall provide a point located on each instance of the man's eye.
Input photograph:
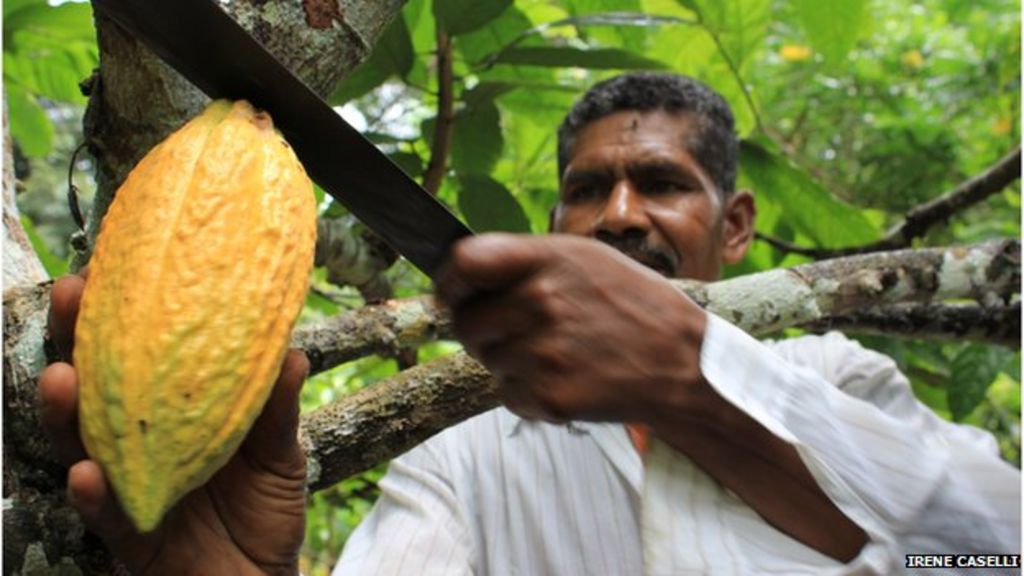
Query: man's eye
(583, 192)
(662, 186)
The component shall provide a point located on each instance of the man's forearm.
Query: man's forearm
(767, 474)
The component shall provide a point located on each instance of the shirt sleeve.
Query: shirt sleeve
(415, 527)
(912, 481)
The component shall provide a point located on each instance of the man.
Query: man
(642, 435)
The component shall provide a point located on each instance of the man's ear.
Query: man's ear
(552, 217)
(738, 226)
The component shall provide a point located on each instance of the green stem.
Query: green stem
(736, 74)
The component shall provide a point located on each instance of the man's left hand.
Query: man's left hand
(573, 329)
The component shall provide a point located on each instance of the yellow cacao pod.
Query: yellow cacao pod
(200, 269)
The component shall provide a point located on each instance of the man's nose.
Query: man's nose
(625, 213)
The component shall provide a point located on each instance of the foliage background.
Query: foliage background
(850, 112)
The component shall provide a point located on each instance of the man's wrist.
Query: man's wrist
(685, 399)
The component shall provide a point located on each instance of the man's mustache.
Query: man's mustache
(660, 259)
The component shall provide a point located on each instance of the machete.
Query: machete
(206, 46)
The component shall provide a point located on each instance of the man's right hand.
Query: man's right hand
(248, 519)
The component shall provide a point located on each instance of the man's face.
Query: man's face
(631, 182)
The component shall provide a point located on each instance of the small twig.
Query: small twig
(76, 212)
(790, 248)
(924, 216)
(434, 174)
(735, 72)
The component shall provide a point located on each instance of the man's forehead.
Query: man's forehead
(655, 136)
(679, 128)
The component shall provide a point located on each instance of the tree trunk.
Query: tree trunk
(135, 101)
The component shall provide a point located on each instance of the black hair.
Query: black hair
(715, 144)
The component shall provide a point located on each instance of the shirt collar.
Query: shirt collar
(513, 423)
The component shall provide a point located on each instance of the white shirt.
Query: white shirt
(498, 495)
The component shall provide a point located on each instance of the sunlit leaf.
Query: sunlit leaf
(321, 304)
(68, 22)
(692, 51)
(29, 125)
(807, 206)
(689, 5)
(54, 265)
(489, 206)
(739, 25)
(489, 39)
(619, 35)
(49, 50)
(833, 27)
(616, 21)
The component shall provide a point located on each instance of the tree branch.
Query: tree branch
(383, 329)
(998, 324)
(758, 303)
(923, 217)
(386, 419)
(383, 420)
(354, 256)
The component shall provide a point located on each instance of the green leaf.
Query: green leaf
(806, 205)
(690, 5)
(12, 7)
(409, 162)
(488, 91)
(462, 16)
(587, 26)
(54, 266)
(628, 37)
(489, 206)
(70, 22)
(480, 44)
(567, 56)
(29, 124)
(321, 304)
(973, 371)
(393, 56)
(832, 27)
(476, 137)
(49, 50)
(740, 25)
